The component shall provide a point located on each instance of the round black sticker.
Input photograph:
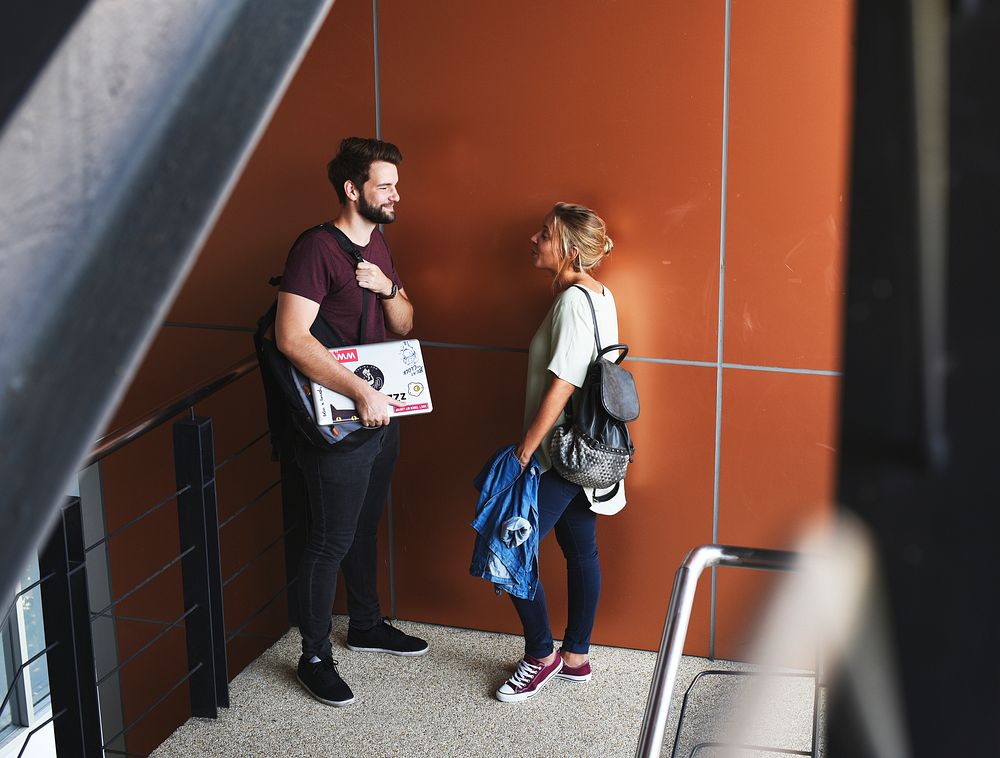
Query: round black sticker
(371, 374)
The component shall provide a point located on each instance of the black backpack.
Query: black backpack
(594, 447)
(287, 391)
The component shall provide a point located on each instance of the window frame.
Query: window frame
(25, 716)
(7, 634)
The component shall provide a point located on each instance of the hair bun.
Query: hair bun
(577, 227)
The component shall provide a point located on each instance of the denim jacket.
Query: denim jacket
(506, 522)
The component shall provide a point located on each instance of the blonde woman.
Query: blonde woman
(572, 242)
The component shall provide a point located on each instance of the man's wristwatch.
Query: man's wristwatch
(392, 293)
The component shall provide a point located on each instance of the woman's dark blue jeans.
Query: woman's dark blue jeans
(563, 506)
(347, 494)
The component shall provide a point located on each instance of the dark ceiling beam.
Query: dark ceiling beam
(115, 164)
(29, 34)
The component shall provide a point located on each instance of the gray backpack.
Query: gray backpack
(593, 448)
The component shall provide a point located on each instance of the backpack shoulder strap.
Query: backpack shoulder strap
(320, 328)
(593, 313)
(353, 252)
(349, 249)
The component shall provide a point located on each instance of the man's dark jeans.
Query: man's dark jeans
(347, 492)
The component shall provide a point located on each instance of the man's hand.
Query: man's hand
(372, 407)
(371, 278)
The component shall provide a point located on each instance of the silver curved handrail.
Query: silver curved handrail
(675, 627)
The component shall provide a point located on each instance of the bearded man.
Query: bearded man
(346, 482)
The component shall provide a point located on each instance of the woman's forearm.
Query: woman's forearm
(553, 403)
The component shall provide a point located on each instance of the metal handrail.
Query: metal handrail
(675, 627)
(123, 435)
(74, 681)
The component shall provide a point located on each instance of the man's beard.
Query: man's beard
(374, 213)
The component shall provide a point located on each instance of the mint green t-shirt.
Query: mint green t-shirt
(564, 346)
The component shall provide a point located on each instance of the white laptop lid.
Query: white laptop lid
(395, 368)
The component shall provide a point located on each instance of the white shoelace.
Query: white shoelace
(524, 674)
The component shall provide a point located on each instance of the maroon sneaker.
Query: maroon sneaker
(581, 673)
(529, 677)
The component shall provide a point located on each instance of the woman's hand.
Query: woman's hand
(553, 402)
(523, 456)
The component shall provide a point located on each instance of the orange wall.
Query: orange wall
(789, 123)
(621, 107)
(502, 109)
(525, 105)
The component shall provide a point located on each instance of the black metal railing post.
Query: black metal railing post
(198, 518)
(72, 676)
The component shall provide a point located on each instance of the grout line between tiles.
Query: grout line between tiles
(642, 359)
(722, 303)
(378, 91)
(217, 327)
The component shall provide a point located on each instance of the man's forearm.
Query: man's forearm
(398, 314)
(315, 361)
(552, 405)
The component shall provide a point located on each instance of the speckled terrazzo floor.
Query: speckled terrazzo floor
(442, 705)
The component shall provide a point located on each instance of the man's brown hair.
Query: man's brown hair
(354, 159)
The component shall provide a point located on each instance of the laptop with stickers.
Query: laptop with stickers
(394, 368)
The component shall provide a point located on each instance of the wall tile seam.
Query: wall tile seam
(212, 327)
(720, 344)
(524, 350)
(651, 359)
(376, 72)
(389, 511)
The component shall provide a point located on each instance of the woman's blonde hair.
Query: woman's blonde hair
(579, 227)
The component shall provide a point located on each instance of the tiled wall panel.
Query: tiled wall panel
(477, 409)
(243, 417)
(669, 493)
(776, 478)
(524, 104)
(134, 480)
(249, 481)
(786, 198)
(669, 509)
(144, 681)
(176, 361)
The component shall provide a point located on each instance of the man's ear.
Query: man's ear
(351, 191)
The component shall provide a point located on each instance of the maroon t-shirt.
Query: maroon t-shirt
(319, 270)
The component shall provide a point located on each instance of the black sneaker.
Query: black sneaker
(385, 638)
(322, 681)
